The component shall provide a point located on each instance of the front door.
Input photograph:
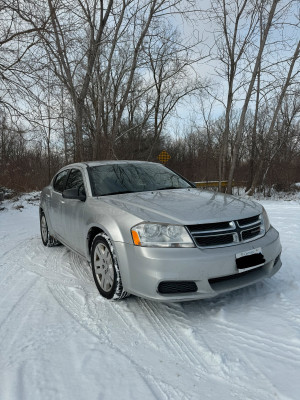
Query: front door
(73, 214)
(56, 203)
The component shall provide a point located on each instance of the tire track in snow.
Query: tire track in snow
(289, 308)
(210, 363)
(47, 267)
(12, 352)
(199, 355)
(79, 311)
(12, 249)
(166, 391)
(239, 339)
(215, 363)
(169, 336)
(259, 339)
(261, 343)
(8, 282)
(25, 336)
(285, 303)
(26, 287)
(54, 264)
(105, 325)
(80, 268)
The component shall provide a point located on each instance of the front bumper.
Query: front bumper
(144, 268)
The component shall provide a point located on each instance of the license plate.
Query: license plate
(248, 253)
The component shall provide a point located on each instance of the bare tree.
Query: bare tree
(20, 23)
(171, 63)
(263, 39)
(284, 89)
(68, 22)
(236, 23)
(139, 77)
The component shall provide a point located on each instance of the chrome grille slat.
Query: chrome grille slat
(250, 233)
(216, 231)
(210, 226)
(243, 223)
(220, 234)
(257, 223)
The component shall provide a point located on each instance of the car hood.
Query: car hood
(184, 206)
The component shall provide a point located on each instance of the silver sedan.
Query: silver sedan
(149, 232)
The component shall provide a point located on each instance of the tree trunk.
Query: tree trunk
(78, 133)
(254, 134)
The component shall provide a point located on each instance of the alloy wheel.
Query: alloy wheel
(104, 268)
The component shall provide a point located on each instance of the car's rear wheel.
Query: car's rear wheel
(106, 269)
(44, 230)
(47, 239)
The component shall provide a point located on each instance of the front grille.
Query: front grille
(251, 233)
(226, 233)
(169, 287)
(217, 240)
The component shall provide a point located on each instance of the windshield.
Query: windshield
(127, 178)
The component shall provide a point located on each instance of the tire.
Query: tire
(105, 268)
(47, 239)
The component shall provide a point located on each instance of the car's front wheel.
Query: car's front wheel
(106, 269)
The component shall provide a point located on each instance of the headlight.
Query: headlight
(265, 223)
(160, 235)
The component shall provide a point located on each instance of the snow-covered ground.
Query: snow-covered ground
(59, 340)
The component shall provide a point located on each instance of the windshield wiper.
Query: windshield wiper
(137, 191)
(170, 187)
(112, 193)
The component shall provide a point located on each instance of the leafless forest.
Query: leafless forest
(215, 83)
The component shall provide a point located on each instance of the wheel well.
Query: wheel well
(92, 233)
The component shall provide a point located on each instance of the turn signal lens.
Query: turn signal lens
(135, 237)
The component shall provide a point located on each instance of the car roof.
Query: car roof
(106, 162)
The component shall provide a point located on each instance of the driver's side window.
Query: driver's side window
(60, 181)
(75, 181)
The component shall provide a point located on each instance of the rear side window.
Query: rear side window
(75, 180)
(60, 181)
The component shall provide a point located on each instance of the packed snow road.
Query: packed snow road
(60, 340)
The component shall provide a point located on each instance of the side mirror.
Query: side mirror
(76, 194)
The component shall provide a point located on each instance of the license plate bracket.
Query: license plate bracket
(249, 259)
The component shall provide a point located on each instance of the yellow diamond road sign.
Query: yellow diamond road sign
(164, 157)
